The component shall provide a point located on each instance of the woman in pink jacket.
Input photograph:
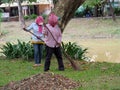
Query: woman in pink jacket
(53, 39)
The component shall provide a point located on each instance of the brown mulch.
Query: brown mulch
(44, 81)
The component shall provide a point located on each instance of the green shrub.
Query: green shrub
(19, 50)
(44, 16)
(33, 16)
(74, 51)
(26, 17)
(117, 11)
(25, 50)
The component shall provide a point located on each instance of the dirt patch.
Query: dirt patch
(45, 81)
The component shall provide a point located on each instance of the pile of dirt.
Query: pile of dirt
(44, 81)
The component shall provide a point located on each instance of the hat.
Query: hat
(39, 20)
(52, 19)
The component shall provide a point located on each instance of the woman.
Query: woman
(53, 39)
(37, 28)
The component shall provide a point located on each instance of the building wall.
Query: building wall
(43, 8)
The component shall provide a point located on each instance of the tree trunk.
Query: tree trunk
(0, 23)
(21, 17)
(112, 10)
(65, 10)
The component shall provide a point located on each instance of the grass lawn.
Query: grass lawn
(93, 76)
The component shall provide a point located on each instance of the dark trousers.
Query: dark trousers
(58, 54)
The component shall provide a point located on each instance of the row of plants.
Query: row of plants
(29, 17)
(33, 16)
(20, 50)
(25, 50)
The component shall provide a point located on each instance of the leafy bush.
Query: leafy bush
(79, 14)
(25, 50)
(117, 11)
(26, 17)
(19, 50)
(74, 51)
(33, 16)
(44, 16)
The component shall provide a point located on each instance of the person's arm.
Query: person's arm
(25, 29)
(28, 28)
(44, 31)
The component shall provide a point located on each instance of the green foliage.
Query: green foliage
(6, 1)
(75, 51)
(19, 50)
(117, 11)
(25, 50)
(92, 3)
(26, 17)
(44, 16)
(33, 16)
(55, 1)
(1, 10)
(79, 14)
(32, 0)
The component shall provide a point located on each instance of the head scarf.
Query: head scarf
(39, 20)
(52, 19)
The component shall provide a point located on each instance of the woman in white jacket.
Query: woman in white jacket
(37, 28)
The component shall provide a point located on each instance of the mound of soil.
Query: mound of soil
(45, 81)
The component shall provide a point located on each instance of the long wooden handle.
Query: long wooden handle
(33, 34)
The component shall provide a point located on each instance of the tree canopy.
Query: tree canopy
(92, 3)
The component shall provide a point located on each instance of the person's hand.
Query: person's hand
(58, 44)
(38, 37)
(40, 24)
(25, 29)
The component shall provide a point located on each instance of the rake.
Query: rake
(73, 64)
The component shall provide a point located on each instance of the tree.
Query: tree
(21, 17)
(99, 4)
(0, 23)
(65, 10)
(111, 9)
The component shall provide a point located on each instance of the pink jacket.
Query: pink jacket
(56, 32)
